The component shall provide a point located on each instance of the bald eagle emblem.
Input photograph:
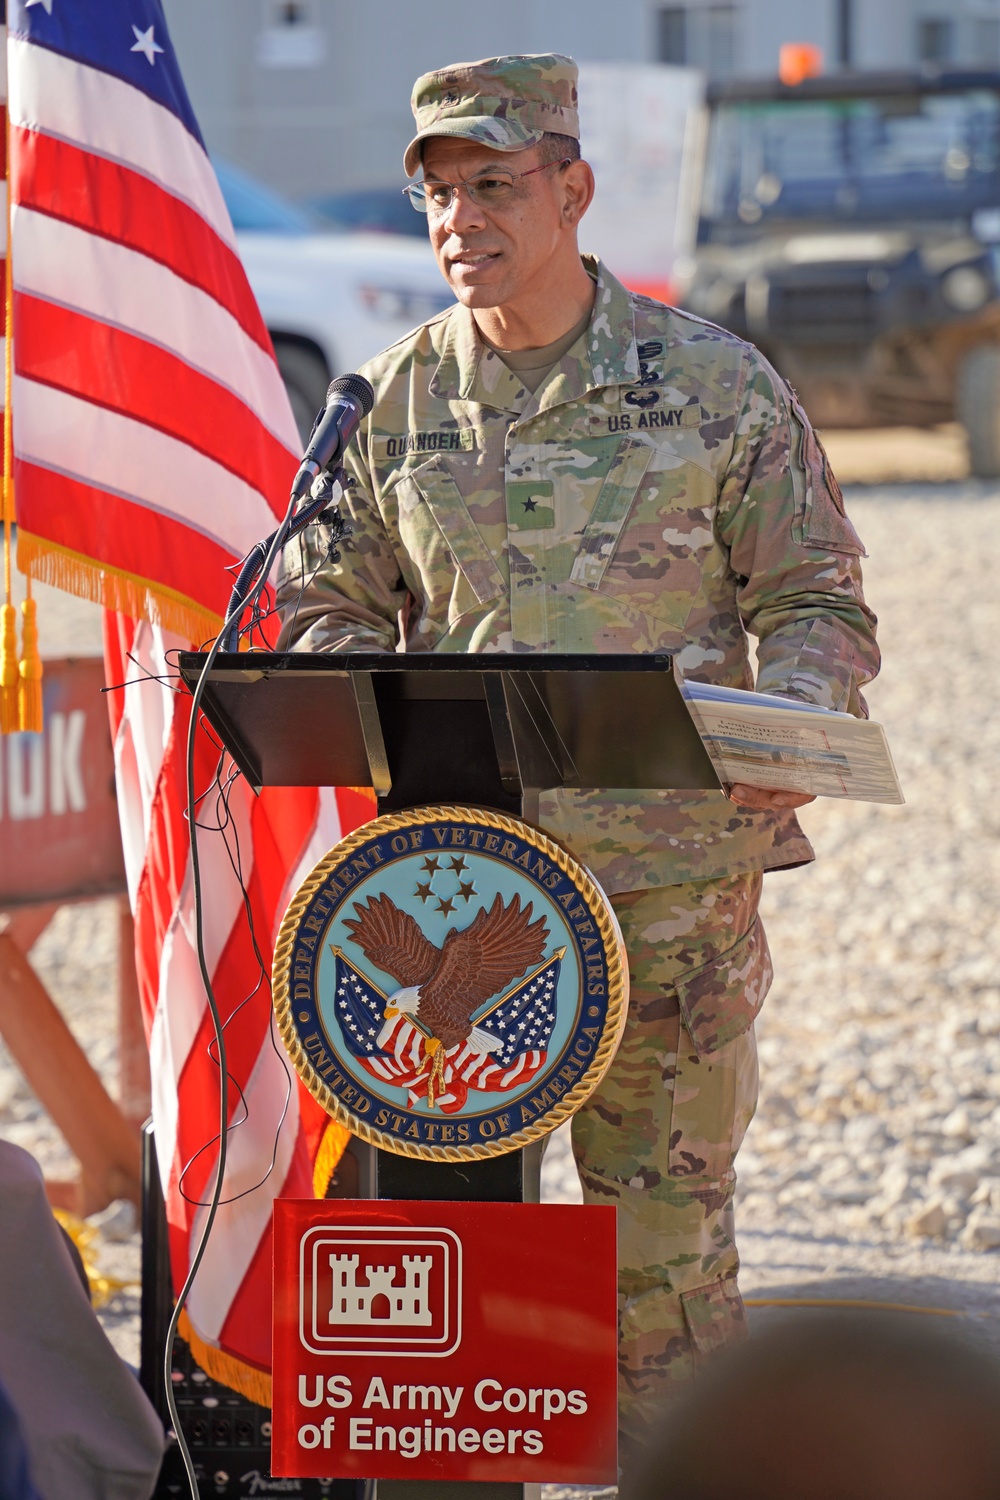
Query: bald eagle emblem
(454, 1022)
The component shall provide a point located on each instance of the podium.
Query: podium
(492, 730)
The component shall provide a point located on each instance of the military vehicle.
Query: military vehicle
(850, 227)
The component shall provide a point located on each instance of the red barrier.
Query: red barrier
(59, 831)
(60, 842)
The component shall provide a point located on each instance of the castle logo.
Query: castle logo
(381, 1300)
(380, 1289)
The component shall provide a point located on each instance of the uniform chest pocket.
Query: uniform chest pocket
(638, 547)
(614, 502)
(439, 533)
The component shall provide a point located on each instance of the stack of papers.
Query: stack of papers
(763, 740)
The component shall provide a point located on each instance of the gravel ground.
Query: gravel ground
(872, 1169)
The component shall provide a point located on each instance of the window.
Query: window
(845, 33)
(719, 54)
(889, 155)
(700, 36)
(291, 36)
(671, 34)
(986, 41)
(935, 41)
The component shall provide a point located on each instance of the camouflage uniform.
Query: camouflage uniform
(660, 491)
(660, 1134)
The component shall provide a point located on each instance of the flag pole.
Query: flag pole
(10, 717)
(28, 680)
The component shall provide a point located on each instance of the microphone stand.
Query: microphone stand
(260, 558)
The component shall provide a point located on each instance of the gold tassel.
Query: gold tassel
(30, 669)
(434, 1057)
(10, 717)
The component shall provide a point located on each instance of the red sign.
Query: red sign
(58, 812)
(448, 1341)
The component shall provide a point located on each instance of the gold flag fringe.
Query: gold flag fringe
(331, 1149)
(126, 593)
(20, 682)
(235, 1373)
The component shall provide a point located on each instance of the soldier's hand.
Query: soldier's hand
(763, 799)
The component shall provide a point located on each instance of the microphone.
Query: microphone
(348, 401)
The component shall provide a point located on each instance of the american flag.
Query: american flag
(508, 1045)
(154, 444)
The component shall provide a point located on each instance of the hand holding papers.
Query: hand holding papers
(763, 740)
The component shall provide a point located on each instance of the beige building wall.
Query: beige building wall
(312, 95)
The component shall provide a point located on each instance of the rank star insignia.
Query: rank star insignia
(531, 504)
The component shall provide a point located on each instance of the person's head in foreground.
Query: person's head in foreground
(499, 174)
(835, 1406)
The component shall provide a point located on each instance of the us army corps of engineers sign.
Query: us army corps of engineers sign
(450, 983)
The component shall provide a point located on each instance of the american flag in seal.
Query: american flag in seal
(465, 1016)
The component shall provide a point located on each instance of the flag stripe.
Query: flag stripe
(244, 1221)
(103, 114)
(245, 1010)
(243, 1329)
(123, 373)
(106, 44)
(131, 538)
(117, 285)
(116, 453)
(154, 439)
(182, 1003)
(109, 200)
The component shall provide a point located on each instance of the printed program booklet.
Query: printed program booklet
(763, 740)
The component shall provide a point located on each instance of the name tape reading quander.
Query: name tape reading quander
(450, 983)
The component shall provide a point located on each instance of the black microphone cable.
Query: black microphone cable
(218, 1026)
(349, 399)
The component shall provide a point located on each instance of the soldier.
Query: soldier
(555, 464)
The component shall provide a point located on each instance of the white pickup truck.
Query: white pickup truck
(330, 300)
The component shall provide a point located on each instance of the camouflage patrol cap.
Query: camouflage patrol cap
(507, 103)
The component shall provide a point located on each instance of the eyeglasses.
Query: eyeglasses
(492, 189)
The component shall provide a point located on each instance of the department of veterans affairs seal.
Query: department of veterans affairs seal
(450, 983)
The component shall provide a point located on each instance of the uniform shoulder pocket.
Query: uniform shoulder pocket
(821, 517)
(443, 498)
